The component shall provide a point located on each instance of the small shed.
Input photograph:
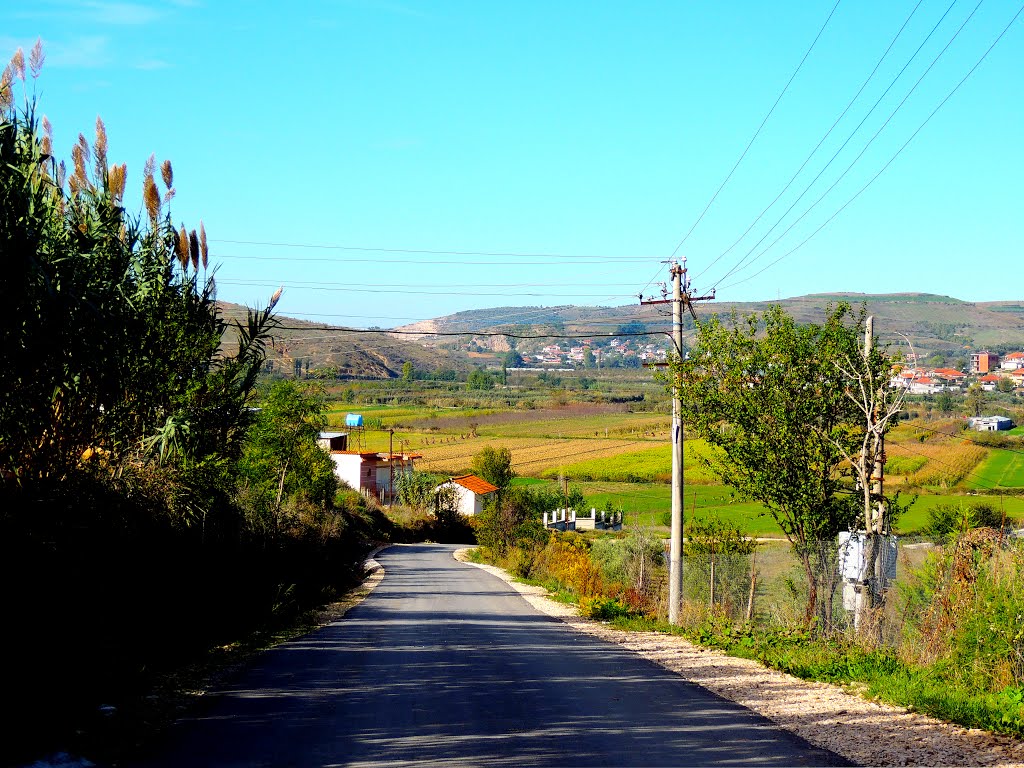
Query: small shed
(472, 491)
(333, 441)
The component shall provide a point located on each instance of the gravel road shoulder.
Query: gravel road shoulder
(829, 716)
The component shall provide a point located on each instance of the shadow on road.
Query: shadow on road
(444, 664)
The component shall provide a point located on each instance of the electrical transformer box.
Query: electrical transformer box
(853, 556)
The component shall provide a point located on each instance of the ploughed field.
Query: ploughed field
(621, 456)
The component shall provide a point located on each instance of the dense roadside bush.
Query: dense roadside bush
(152, 503)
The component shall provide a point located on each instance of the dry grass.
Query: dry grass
(530, 456)
(947, 462)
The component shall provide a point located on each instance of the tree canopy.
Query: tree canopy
(768, 395)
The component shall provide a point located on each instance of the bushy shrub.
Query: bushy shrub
(947, 520)
(604, 608)
(566, 561)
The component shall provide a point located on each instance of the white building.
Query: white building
(472, 491)
(990, 423)
(1012, 362)
(373, 474)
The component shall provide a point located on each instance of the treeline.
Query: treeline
(148, 508)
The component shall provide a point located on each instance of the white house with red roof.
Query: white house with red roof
(989, 381)
(925, 385)
(472, 492)
(1012, 362)
(949, 375)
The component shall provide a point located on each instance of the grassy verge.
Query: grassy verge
(877, 674)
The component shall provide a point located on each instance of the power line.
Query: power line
(507, 334)
(863, 150)
(883, 168)
(407, 292)
(588, 260)
(951, 466)
(424, 251)
(392, 284)
(757, 132)
(828, 133)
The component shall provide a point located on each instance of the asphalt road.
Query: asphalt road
(444, 664)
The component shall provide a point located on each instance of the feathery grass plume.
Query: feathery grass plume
(151, 197)
(150, 166)
(78, 176)
(275, 298)
(36, 58)
(62, 174)
(18, 64)
(181, 247)
(193, 242)
(100, 147)
(168, 173)
(46, 144)
(116, 181)
(204, 250)
(6, 88)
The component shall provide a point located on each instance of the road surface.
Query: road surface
(444, 664)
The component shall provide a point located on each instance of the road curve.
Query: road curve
(444, 664)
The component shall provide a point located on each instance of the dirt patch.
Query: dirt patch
(829, 716)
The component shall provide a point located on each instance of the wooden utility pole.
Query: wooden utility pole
(681, 299)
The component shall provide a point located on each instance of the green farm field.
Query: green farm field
(1002, 469)
(641, 466)
(645, 504)
(624, 458)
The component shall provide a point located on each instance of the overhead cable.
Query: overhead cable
(757, 132)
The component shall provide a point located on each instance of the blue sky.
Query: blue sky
(553, 130)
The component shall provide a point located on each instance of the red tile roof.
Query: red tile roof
(990, 377)
(475, 484)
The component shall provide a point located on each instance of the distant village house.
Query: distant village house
(472, 492)
(369, 472)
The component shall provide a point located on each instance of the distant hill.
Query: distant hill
(362, 356)
(933, 323)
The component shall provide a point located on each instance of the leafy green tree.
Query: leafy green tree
(631, 328)
(766, 394)
(495, 466)
(513, 359)
(480, 379)
(589, 361)
(976, 400)
(944, 402)
(512, 521)
(281, 457)
(408, 372)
